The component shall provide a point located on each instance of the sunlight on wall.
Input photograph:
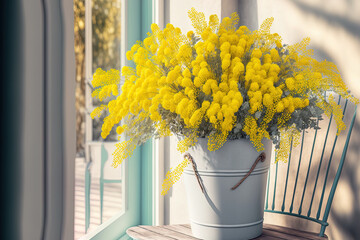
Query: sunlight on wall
(344, 198)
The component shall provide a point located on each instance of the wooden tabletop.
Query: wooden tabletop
(183, 232)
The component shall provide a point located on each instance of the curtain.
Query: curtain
(38, 107)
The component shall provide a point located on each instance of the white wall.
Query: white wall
(334, 29)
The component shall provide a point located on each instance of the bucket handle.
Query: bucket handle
(190, 158)
(261, 158)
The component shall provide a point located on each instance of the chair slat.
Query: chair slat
(276, 171)
(311, 167)
(337, 176)
(297, 172)
(321, 159)
(87, 195)
(287, 176)
(267, 191)
(308, 170)
(328, 167)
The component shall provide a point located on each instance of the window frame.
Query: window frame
(138, 184)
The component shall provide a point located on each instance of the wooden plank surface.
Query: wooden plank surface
(277, 235)
(294, 232)
(146, 234)
(183, 232)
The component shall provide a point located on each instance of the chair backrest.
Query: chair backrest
(306, 181)
(104, 158)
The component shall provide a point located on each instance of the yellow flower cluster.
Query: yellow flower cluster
(265, 90)
(187, 142)
(123, 150)
(255, 132)
(106, 83)
(215, 82)
(216, 140)
(173, 176)
(97, 111)
(331, 107)
(288, 135)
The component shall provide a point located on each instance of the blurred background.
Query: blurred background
(106, 34)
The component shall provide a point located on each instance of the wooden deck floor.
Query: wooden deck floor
(112, 200)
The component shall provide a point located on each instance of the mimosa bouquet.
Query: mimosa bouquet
(221, 82)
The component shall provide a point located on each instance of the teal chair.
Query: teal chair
(104, 158)
(87, 195)
(102, 181)
(320, 165)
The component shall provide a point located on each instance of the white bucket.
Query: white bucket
(222, 213)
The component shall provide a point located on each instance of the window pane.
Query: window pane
(93, 169)
(106, 34)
